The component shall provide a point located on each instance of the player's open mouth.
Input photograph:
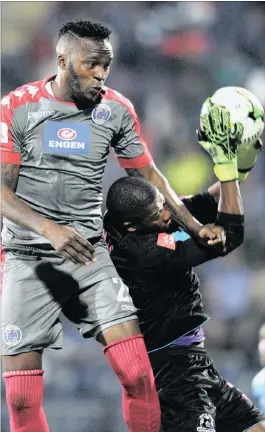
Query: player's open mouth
(96, 89)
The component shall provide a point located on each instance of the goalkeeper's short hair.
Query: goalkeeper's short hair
(128, 199)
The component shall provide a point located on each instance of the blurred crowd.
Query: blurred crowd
(169, 57)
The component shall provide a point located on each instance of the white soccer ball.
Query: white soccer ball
(244, 108)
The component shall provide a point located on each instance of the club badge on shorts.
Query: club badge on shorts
(12, 335)
(206, 423)
(101, 114)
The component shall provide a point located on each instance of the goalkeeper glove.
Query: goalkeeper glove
(220, 140)
(246, 158)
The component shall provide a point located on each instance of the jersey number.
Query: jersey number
(123, 293)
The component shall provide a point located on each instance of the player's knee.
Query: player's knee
(24, 389)
(18, 399)
(140, 383)
(130, 362)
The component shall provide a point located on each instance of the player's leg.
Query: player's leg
(23, 377)
(29, 323)
(111, 319)
(236, 412)
(125, 350)
(183, 377)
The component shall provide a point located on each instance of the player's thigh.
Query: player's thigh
(109, 312)
(182, 384)
(119, 331)
(236, 412)
(30, 315)
(184, 411)
(25, 361)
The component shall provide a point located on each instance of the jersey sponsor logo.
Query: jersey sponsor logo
(166, 240)
(12, 335)
(40, 114)
(73, 138)
(206, 423)
(4, 133)
(101, 114)
(67, 134)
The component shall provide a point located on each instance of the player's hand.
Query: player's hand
(221, 140)
(212, 234)
(247, 157)
(70, 243)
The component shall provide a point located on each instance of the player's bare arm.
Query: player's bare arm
(185, 218)
(64, 239)
(12, 207)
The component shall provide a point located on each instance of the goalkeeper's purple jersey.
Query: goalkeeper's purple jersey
(62, 152)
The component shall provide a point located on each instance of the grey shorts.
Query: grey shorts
(39, 285)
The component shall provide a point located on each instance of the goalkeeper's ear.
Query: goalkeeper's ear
(129, 226)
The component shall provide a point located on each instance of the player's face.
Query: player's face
(88, 69)
(159, 217)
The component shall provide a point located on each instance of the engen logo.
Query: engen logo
(67, 134)
(73, 138)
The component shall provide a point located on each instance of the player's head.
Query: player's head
(84, 56)
(135, 205)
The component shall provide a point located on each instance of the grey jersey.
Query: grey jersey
(62, 152)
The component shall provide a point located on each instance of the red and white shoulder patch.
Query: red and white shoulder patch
(166, 240)
(26, 93)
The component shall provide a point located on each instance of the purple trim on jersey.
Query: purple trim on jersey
(174, 342)
(196, 336)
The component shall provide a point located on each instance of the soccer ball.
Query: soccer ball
(244, 108)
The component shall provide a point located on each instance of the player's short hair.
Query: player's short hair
(84, 29)
(128, 198)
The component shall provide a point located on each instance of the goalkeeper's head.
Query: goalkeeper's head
(134, 205)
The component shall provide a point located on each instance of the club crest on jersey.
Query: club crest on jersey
(12, 335)
(206, 423)
(101, 114)
(64, 137)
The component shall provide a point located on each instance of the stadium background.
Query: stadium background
(169, 57)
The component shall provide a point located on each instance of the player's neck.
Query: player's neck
(60, 89)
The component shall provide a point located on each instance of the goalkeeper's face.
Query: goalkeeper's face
(157, 217)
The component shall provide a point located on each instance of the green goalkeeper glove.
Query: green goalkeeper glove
(246, 158)
(220, 140)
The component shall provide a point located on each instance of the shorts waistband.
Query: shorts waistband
(43, 247)
(159, 357)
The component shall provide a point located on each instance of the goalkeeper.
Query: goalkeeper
(155, 258)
